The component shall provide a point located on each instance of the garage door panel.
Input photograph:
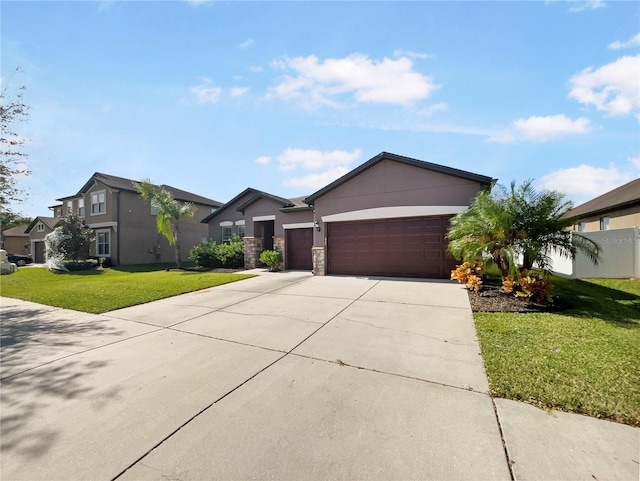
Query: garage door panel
(298, 244)
(407, 247)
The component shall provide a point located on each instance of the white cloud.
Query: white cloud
(264, 160)
(197, 3)
(316, 181)
(310, 159)
(410, 54)
(635, 161)
(431, 109)
(239, 91)
(613, 88)
(632, 42)
(586, 181)
(331, 164)
(246, 44)
(206, 93)
(582, 5)
(257, 68)
(328, 82)
(542, 129)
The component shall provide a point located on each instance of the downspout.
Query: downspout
(118, 226)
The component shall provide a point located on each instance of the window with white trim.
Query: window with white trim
(69, 207)
(103, 243)
(604, 223)
(80, 207)
(58, 212)
(98, 203)
(227, 234)
(40, 227)
(582, 226)
(241, 230)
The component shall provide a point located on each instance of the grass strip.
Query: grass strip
(103, 290)
(583, 359)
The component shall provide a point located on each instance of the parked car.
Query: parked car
(6, 267)
(20, 259)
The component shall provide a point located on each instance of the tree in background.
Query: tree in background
(169, 212)
(504, 224)
(76, 238)
(12, 159)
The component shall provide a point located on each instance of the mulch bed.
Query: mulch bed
(493, 299)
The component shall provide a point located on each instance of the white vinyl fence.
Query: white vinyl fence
(620, 253)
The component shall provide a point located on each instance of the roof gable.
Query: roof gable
(121, 183)
(50, 222)
(625, 195)
(17, 231)
(481, 179)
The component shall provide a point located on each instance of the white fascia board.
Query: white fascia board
(395, 211)
(299, 225)
(101, 225)
(260, 218)
(226, 223)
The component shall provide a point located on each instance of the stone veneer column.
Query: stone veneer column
(278, 245)
(317, 254)
(252, 250)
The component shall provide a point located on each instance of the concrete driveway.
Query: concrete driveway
(283, 376)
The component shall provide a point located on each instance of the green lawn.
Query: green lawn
(583, 359)
(107, 289)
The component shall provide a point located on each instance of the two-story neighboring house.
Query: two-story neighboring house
(124, 225)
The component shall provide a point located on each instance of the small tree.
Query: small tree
(12, 158)
(77, 238)
(170, 212)
(504, 224)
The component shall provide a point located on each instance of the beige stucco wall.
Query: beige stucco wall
(621, 219)
(140, 242)
(230, 214)
(17, 244)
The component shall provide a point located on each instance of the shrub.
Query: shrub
(231, 255)
(469, 274)
(75, 266)
(204, 255)
(531, 287)
(271, 259)
(211, 255)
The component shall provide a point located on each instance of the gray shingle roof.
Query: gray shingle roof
(122, 183)
(623, 196)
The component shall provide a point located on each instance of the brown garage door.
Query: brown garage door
(39, 252)
(405, 247)
(298, 243)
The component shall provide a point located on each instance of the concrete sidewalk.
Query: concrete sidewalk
(283, 376)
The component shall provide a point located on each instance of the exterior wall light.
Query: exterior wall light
(316, 224)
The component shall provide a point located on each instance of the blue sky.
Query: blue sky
(214, 97)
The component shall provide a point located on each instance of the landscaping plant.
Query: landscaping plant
(271, 259)
(501, 225)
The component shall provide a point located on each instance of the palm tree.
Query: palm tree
(506, 224)
(544, 227)
(169, 212)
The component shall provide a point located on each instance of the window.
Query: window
(40, 227)
(80, 207)
(604, 223)
(58, 212)
(155, 207)
(226, 234)
(69, 207)
(241, 230)
(103, 244)
(98, 205)
(581, 227)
